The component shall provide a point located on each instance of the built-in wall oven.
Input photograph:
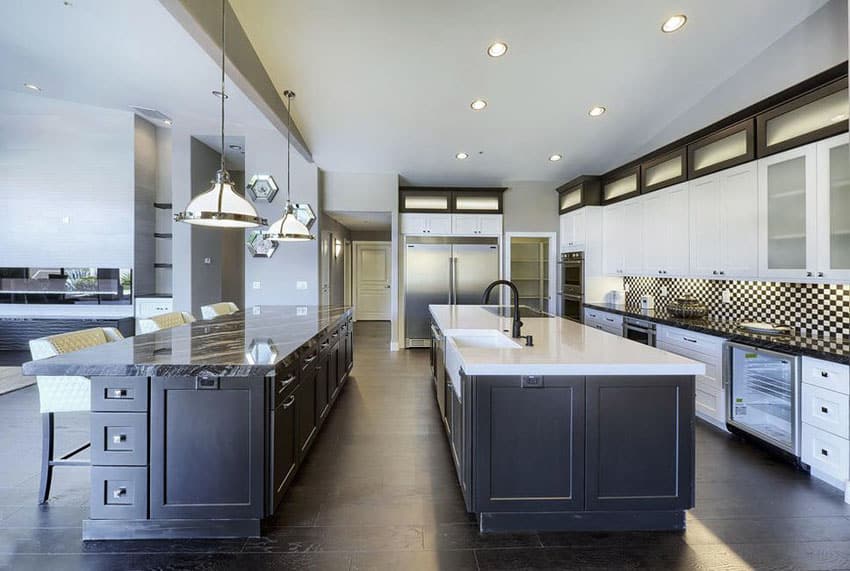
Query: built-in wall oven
(639, 330)
(763, 395)
(572, 285)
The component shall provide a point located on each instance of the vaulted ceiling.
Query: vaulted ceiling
(386, 86)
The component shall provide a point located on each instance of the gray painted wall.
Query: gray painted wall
(371, 235)
(145, 175)
(337, 261)
(206, 242)
(530, 207)
(233, 255)
(163, 217)
(58, 161)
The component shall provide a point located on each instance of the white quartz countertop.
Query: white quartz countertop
(561, 347)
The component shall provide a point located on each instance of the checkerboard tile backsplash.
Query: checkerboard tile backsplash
(814, 310)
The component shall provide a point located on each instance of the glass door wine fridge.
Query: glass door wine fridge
(764, 395)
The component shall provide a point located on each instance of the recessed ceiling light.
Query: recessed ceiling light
(461, 156)
(32, 86)
(674, 23)
(168, 122)
(478, 104)
(556, 157)
(596, 111)
(497, 49)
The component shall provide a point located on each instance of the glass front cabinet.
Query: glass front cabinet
(804, 212)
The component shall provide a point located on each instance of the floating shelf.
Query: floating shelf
(162, 205)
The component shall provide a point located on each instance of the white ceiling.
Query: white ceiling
(357, 221)
(116, 54)
(386, 86)
(234, 159)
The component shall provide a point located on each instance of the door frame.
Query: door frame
(554, 276)
(354, 247)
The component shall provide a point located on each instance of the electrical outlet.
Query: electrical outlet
(627, 287)
(664, 291)
(255, 310)
(208, 261)
(726, 296)
(257, 285)
(301, 310)
(300, 285)
(66, 220)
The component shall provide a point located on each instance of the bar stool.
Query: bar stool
(216, 309)
(63, 394)
(165, 321)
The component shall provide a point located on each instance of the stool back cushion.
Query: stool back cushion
(65, 394)
(165, 321)
(216, 309)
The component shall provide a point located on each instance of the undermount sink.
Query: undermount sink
(487, 339)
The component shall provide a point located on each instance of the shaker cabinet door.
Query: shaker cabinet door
(739, 223)
(833, 206)
(705, 225)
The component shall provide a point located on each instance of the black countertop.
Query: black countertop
(246, 343)
(155, 295)
(819, 347)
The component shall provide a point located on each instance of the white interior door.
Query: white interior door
(372, 272)
(325, 278)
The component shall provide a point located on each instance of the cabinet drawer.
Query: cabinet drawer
(713, 376)
(826, 374)
(706, 344)
(119, 394)
(310, 357)
(119, 438)
(603, 318)
(827, 410)
(825, 452)
(119, 492)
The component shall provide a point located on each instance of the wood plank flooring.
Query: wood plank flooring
(378, 492)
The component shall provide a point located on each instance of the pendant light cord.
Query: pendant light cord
(222, 82)
(289, 95)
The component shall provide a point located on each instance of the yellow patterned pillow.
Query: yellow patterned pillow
(167, 320)
(76, 340)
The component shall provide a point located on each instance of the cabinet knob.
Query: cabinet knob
(808, 274)
(824, 451)
(119, 492)
(714, 272)
(119, 393)
(119, 438)
(820, 274)
(824, 410)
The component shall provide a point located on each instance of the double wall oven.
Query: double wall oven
(572, 285)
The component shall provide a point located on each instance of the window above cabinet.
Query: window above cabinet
(579, 192)
(665, 170)
(726, 148)
(621, 184)
(474, 200)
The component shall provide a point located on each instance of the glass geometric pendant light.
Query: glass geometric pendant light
(221, 206)
(294, 225)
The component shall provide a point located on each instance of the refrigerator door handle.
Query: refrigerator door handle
(454, 279)
(451, 282)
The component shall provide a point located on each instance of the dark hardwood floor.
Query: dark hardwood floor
(378, 492)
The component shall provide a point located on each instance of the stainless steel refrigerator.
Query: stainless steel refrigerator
(444, 271)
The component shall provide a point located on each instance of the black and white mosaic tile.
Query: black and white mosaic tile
(814, 310)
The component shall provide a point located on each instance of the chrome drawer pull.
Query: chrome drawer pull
(288, 402)
(689, 339)
(286, 382)
(119, 492)
(119, 393)
(310, 359)
(119, 438)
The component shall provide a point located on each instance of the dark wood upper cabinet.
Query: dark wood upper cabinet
(722, 149)
(813, 116)
(664, 170)
(621, 184)
(474, 200)
(579, 192)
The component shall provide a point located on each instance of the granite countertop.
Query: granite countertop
(819, 347)
(561, 347)
(249, 342)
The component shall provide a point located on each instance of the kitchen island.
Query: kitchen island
(581, 430)
(197, 431)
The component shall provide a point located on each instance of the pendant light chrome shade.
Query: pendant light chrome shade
(221, 206)
(294, 225)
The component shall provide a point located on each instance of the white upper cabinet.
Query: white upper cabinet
(573, 230)
(435, 224)
(665, 223)
(477, 224)
(724, 223)
(833, 209)
(622, 242)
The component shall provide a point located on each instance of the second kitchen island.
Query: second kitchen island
(582, 430)
(197, 431)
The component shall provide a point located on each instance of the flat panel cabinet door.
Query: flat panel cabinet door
(465, 224)
(833, 204)
(490, 224)
(414, 223)
(705, 223)
(612, 243)
(632, 236)
(529, 443)
(787, 214)
(440, 224)
(739, 225)
(640, 443)
(308, 420)
(217, 431)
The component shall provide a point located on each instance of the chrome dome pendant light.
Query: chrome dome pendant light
(294, 225)
(221, 206)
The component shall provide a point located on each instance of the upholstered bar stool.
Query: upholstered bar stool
(63, 394)
(165, 321)
(216, 309)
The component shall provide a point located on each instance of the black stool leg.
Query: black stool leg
(46, 456)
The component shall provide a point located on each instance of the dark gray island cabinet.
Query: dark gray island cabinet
(198, 431)
(573, 452)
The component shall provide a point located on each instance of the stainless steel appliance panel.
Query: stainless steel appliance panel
(475, 267)
(427, 281)
(639, 330)
(572, 307)
(572, 273)
(763, 396)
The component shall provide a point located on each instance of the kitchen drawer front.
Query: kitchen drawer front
(825, 452)
(692, 341)
(119, 394)
(709, 402)
(826, 374)
(119, 492)
(284, 384)
(119, 439)
(604, 318)
(310, 357)
(827, 410)
(713, 376)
